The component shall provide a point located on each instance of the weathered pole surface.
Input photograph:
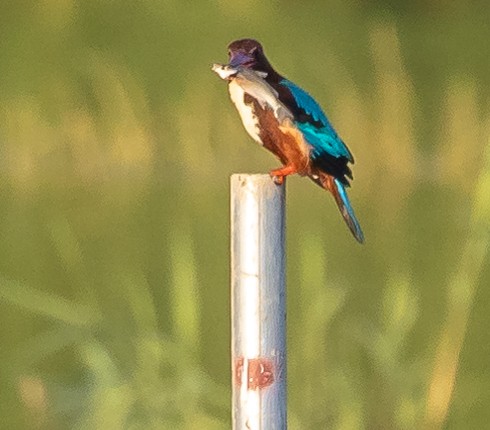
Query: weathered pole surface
(258, 303)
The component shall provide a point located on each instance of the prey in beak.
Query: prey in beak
(224, 71)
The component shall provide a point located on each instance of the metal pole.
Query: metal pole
(258, 303)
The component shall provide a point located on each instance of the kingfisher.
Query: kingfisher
(288, 122)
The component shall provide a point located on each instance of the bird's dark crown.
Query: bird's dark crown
(248, 46)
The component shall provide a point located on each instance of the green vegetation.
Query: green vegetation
(117, 142)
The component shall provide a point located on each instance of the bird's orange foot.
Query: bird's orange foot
(278, 175)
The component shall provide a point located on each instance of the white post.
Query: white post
(258, 303)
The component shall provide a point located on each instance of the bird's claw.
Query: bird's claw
(278, 179)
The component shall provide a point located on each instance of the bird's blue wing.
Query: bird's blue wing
(315, 126)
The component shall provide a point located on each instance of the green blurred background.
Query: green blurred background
(117, 143)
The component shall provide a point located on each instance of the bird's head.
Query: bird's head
(248, 53)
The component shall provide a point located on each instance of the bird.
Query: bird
(287, 121)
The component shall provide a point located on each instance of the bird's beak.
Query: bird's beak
(239, 59)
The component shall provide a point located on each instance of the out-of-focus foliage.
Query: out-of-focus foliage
(116, 144)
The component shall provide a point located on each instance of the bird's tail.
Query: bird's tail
(339, 193)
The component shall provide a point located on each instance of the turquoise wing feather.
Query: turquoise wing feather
(318, 131)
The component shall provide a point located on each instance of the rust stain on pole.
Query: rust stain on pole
(260, 373)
